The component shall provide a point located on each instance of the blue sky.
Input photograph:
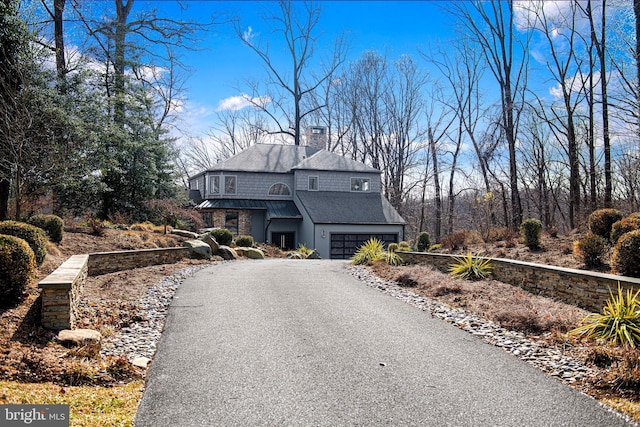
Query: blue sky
(223, 63)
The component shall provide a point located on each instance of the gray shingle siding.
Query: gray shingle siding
(335, 181)
(251, 185)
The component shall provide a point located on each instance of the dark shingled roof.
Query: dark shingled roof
(326, 161)
(266, 158)
(275, 208)
(328, 207)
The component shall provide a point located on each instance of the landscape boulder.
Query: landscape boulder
(253, 253)
(80, 338)
(314, 255)
(198, 249)
(227, 253)
(213, 244)
(141, 362)
(185, 233)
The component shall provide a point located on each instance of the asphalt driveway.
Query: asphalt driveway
(302, 343)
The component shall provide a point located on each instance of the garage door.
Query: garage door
(343, 246)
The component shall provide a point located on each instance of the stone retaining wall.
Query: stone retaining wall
(60, 292)
(61, 288)
(586, 289)
(109, 262)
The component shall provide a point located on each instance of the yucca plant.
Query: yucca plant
(305, 251)
(470, 267)
(371, 250)
(392, 258)
(619, 322)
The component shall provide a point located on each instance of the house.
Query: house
(289, 195)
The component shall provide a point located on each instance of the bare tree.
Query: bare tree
(490, 24)
(298, 28)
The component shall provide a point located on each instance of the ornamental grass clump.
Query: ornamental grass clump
(619, 322)
(470, 267)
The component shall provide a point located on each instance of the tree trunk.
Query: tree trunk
(436, 182)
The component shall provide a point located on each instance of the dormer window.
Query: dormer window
(279, 189)
(360, 184)
(313, 183)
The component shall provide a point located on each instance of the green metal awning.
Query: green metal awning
(274, 208)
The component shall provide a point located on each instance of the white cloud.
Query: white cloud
(248, 35)
(238, 102)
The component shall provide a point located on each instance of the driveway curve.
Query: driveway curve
(302, 343)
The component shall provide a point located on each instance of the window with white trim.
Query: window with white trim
(313, 183)
(279, 189)
(360, 184)
(214, 184)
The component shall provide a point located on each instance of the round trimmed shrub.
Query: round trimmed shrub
(601, 221)
(404, 246)
(222, 236)
(392, 247)
(623, 226)
(626, 254)
(244, 241)
(17, 268)
(53, 225)
(530, 231)
(590, 249)
(423, 241)
(34, 236)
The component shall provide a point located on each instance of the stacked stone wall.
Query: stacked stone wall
(60, 290)
(109, 262)
(586, 289)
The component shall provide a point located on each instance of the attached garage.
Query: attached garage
(343, 245)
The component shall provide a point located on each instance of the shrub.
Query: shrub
(222, 236)
(244, 241)
(623, 226)
(590, 249)
(498, 234)
(53, 225)
(619, 322)
(371, 250)
(470, 267)
(530, 231)
(392, 247)
(404, 246)
(33, 235)
(626, 254)
(435, 247)
(423, 241)
(454, 240)
(602, 220)
(17, 268)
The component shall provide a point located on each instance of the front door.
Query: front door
(284, 240)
